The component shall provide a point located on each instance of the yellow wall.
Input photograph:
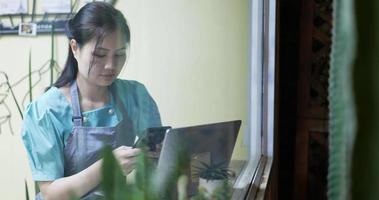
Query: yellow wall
(192, 55)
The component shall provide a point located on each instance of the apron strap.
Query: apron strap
(126, 128)
(117, 102)
(77, 117)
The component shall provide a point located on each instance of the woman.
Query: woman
(65, 129)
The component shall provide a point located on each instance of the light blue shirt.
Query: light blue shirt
(48, 123)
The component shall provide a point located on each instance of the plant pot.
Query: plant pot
(210, 185)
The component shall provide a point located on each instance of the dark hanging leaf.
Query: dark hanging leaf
(26, 190)
(30, 77)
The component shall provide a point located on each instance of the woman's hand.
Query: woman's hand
(126, 157)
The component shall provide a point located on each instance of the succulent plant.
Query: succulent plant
(216, 171)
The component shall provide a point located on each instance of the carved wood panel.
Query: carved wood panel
(311, 155)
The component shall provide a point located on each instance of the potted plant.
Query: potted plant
(144, 186)
(213, 176)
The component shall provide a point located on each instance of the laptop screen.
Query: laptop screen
(185, 148)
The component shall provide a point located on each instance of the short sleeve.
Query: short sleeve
(43, 143)
(148, 110)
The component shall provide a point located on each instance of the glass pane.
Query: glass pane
(195, 58)
(201, 61)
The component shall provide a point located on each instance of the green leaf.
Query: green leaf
(145, 188)
(224, 192)
(30, 77)
(108, 173)
(52, 56)
(342, 121)
(26, 190)
(182, 187)
(114, 182)
(33, 10)
(365, 139)
(213, 171)
(13, 96)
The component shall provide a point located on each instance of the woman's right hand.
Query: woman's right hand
(126, 157)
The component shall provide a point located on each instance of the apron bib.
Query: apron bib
(85, 144)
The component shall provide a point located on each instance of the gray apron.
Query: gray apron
(85, 144)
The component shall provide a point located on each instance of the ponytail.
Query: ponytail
(69, 72)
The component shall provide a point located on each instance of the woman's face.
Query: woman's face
(100, 65)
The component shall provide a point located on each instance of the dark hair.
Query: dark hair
(93, 20)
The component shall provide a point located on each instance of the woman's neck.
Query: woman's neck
(92, 94)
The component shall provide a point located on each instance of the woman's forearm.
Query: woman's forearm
(76, 185)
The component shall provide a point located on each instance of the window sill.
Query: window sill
(258, 178)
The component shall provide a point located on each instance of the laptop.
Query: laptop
(186, 148)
